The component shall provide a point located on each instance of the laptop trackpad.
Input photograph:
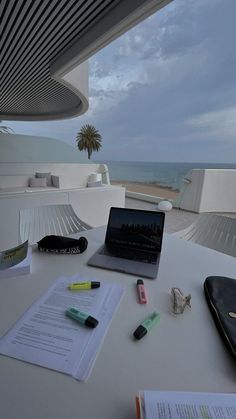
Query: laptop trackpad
(124, 265)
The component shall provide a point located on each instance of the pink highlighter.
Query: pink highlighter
(142, 294)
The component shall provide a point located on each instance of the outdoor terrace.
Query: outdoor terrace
(176, 219)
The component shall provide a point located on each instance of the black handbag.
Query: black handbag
(61, 244)
(220, 294)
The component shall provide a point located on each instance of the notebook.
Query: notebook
(152, 404)
(133, 242)
(22, 268)
(15, 261)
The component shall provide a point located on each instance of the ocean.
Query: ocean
(164, 174)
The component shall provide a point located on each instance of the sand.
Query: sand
(147, 188)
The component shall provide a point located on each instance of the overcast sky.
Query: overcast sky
(164, 91)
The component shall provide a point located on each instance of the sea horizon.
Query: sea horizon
(164, 174)
(151, 161)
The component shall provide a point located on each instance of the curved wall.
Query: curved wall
(15, 148)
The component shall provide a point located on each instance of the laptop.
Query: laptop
(133, 242)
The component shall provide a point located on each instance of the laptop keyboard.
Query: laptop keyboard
(125, 253)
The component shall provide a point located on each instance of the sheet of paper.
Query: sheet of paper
(47, 337)
(172, 405)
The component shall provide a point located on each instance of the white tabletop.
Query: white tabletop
(183, 352)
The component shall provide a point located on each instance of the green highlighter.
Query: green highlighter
(146, 325)
(81, 317)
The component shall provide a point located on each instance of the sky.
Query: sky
(165, 91)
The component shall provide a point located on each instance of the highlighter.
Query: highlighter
(82, 286)
(81, 317)
(142, 294)
(146, 325)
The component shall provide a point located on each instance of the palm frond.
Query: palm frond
(89, 139)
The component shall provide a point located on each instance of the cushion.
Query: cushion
(95, 177)
(45, 175)
(61, 182)
(55, 181)
(93, 184)
(39, 182)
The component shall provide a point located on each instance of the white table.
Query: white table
(182, 353)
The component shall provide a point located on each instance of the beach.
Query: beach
(148, 188)
(161, 179)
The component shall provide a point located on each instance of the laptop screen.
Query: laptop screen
(135, 228)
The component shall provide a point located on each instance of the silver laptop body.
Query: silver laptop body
(133, 242)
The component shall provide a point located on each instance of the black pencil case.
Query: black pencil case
(220, 294)
(61, 244)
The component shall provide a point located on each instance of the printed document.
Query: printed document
(181, 405)
(46, 336)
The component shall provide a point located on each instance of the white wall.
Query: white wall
(77, 81)
(219, 191)
(210, 190)
(21, 148)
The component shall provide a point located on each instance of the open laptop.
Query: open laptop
(133, 242)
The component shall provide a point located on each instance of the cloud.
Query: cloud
(219, 124)
(165, 90)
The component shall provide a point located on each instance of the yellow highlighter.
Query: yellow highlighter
(83, 286)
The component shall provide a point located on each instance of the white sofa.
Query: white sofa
(19, 184)
(15, 178)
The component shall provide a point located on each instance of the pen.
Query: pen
(142, 294)
(82, 317)
(81, 286)
(146, 325)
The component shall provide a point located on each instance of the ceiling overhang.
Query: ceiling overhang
(44, 46)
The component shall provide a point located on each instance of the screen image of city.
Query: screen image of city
(137, 230)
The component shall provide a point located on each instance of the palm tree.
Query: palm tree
(88, 138)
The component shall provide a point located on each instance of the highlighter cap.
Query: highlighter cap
(140, 332)
(95, 284)
(91, 322)
(139, 282)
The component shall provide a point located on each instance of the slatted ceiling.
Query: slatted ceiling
(36, 90)
(34, 34)
(55, 41)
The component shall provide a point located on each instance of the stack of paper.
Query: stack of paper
(168, 404)
(46, 336)
(15, 261)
